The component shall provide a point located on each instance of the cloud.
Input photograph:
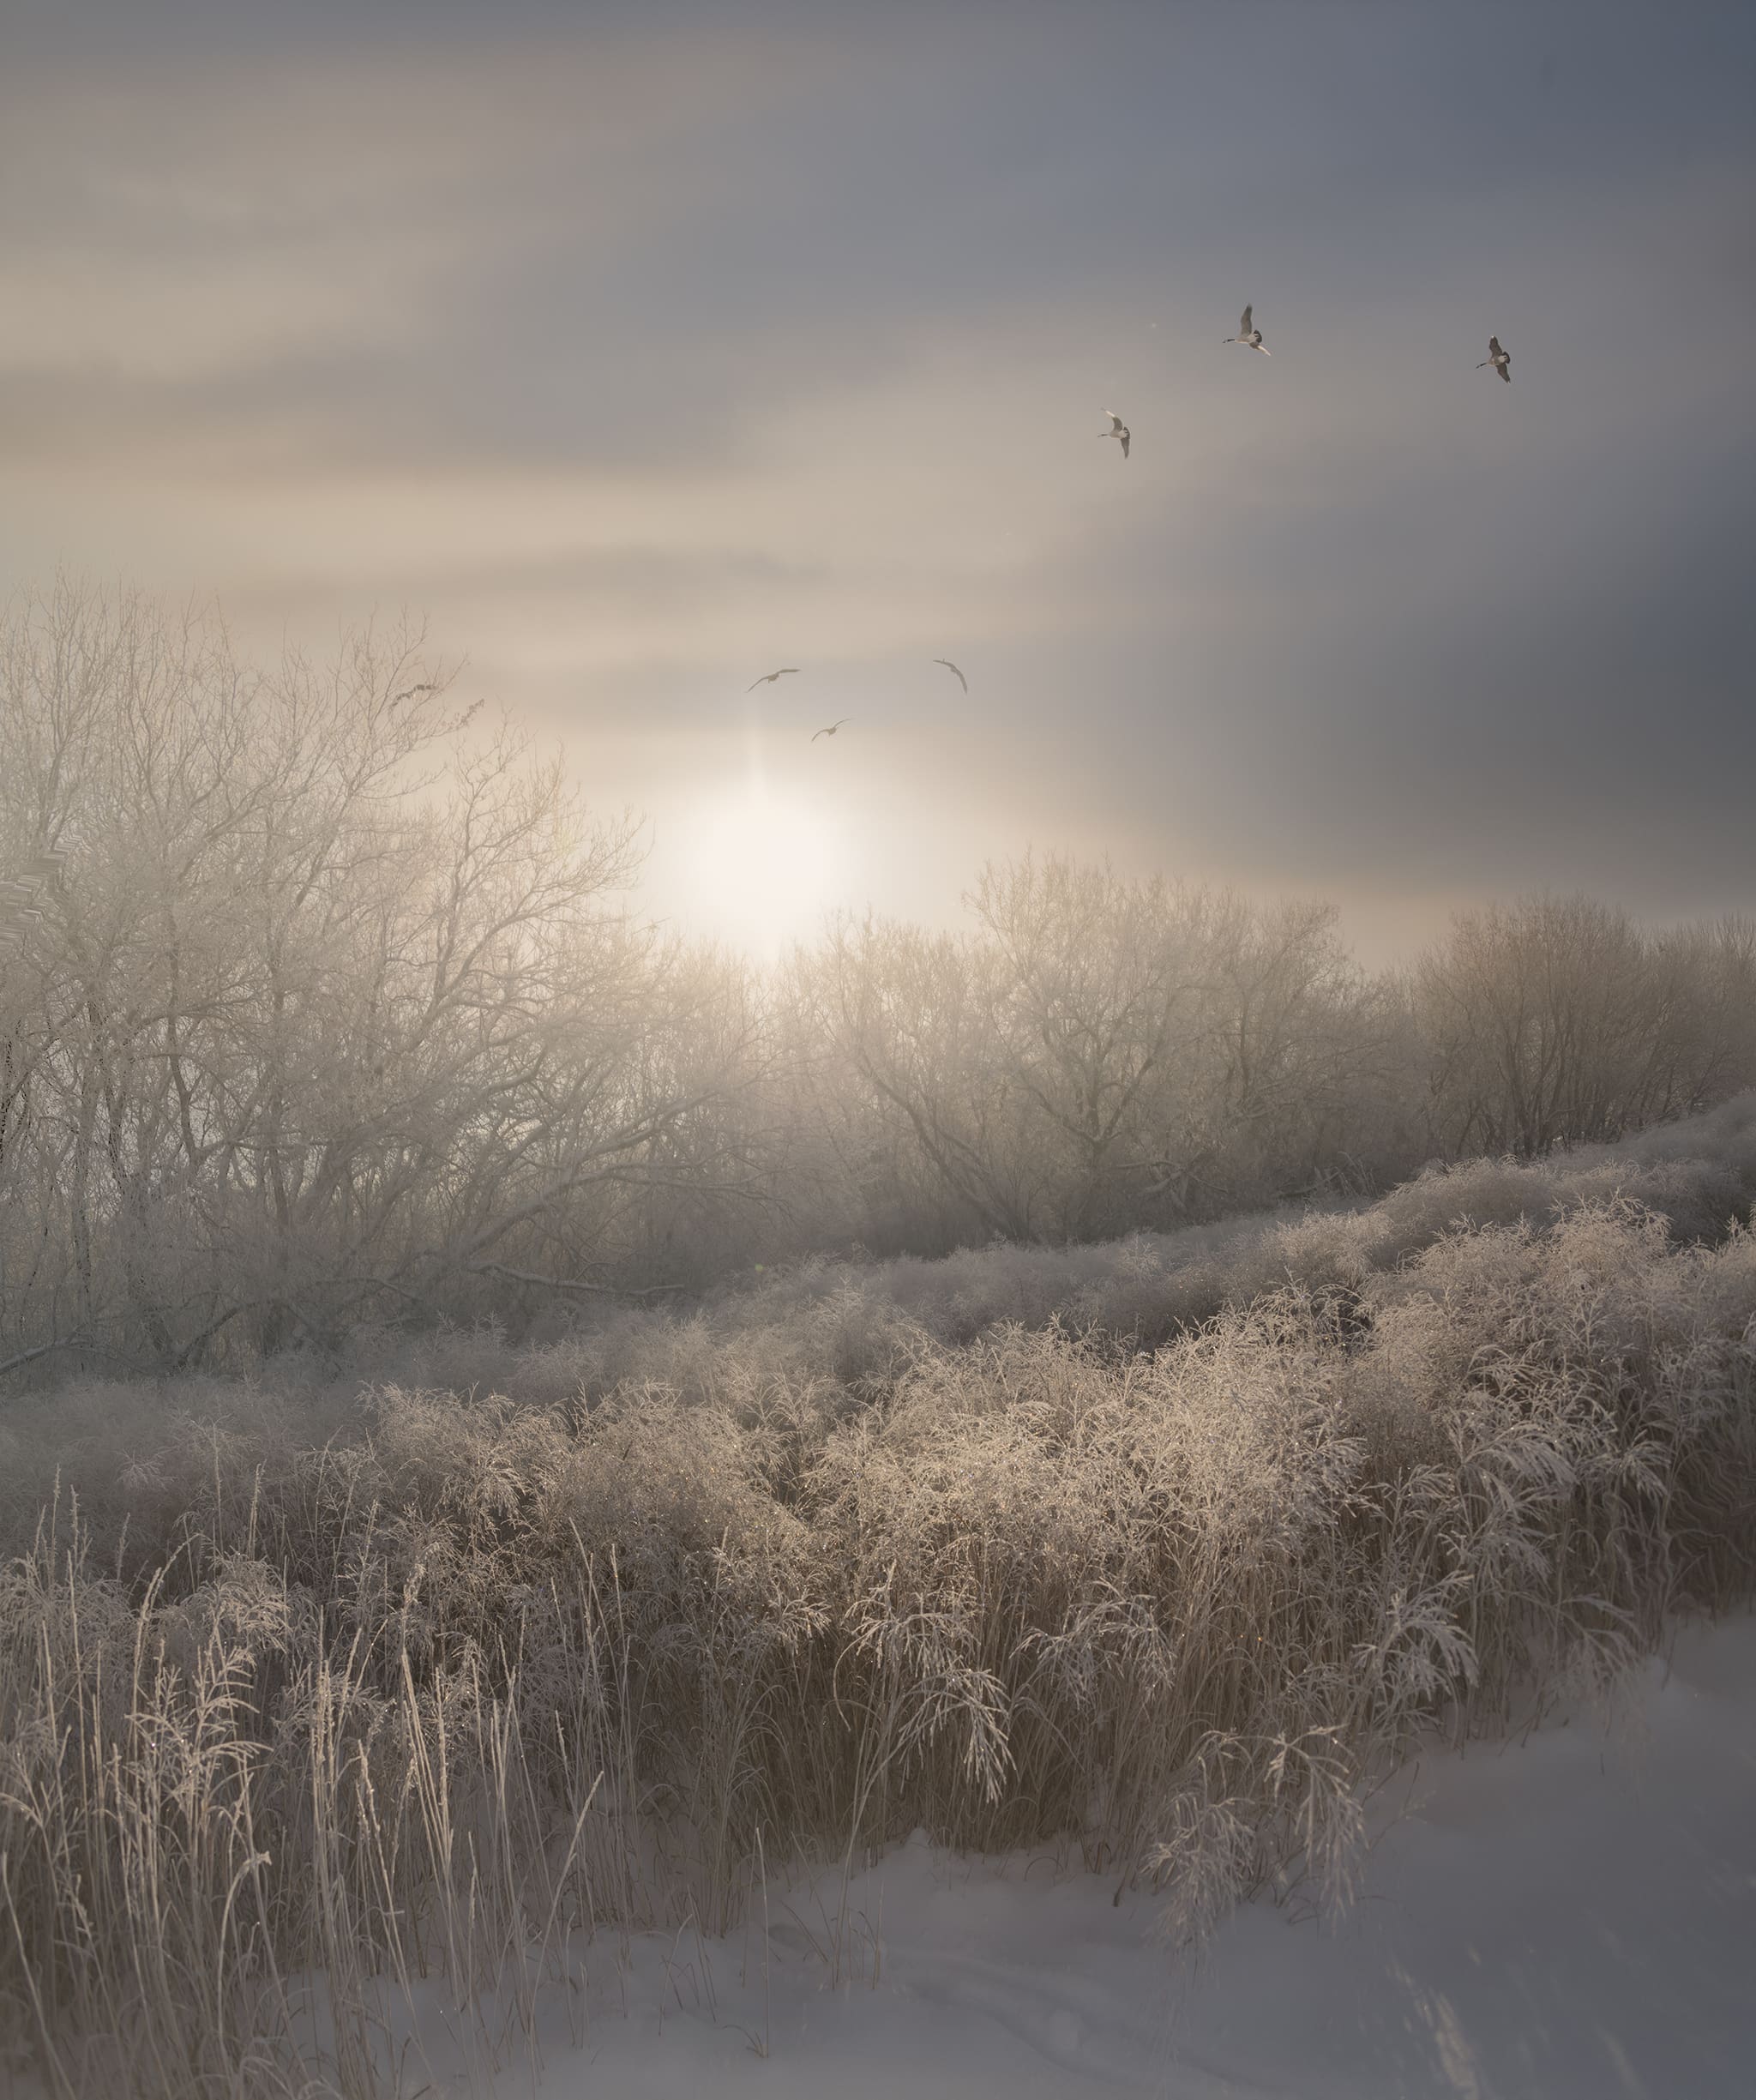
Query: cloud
(640, 358)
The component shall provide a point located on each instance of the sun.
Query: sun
(763, 867)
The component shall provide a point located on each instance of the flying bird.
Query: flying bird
(409, 692)
(832, 729)
(787, 670)
(1117, 429)
(1249, 336)
(1498, 359)
(951, 667)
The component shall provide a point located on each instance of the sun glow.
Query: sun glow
(763, 867)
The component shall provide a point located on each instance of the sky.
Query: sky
(641, 350)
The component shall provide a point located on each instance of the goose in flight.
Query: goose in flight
(1498, 359)
(787, 670)
(947, 661)
(1249, 336)
(832, 729)
(1117, 429)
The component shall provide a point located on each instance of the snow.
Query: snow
(1570, 1915)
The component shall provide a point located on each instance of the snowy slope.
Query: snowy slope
(1574, 1915)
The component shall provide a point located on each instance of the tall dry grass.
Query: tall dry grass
(319, 1711)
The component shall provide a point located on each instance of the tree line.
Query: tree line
(336, 1014)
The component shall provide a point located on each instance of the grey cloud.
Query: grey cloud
(1359, 615)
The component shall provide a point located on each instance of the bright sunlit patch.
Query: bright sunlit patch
(763, 867)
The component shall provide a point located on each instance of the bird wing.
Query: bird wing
(1125, 435)
(1115, 422)
(754, 683)
(954, 671)
(1244, 325)
(1506, 370)
(1493, 348)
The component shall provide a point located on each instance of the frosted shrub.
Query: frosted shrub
(1168, 1563)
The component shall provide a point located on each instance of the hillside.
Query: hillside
(1160, 1555)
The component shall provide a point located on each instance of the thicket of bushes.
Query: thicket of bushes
(1161, 1550)
(336, 1019)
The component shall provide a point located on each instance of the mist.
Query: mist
(877, 1050)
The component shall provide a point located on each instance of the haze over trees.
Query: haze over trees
(377, 1634)
(338, 1015)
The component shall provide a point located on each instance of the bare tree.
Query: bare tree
(336, 1008)
(1560, 1018)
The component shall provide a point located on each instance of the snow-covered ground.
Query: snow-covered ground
(1572, 1914)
